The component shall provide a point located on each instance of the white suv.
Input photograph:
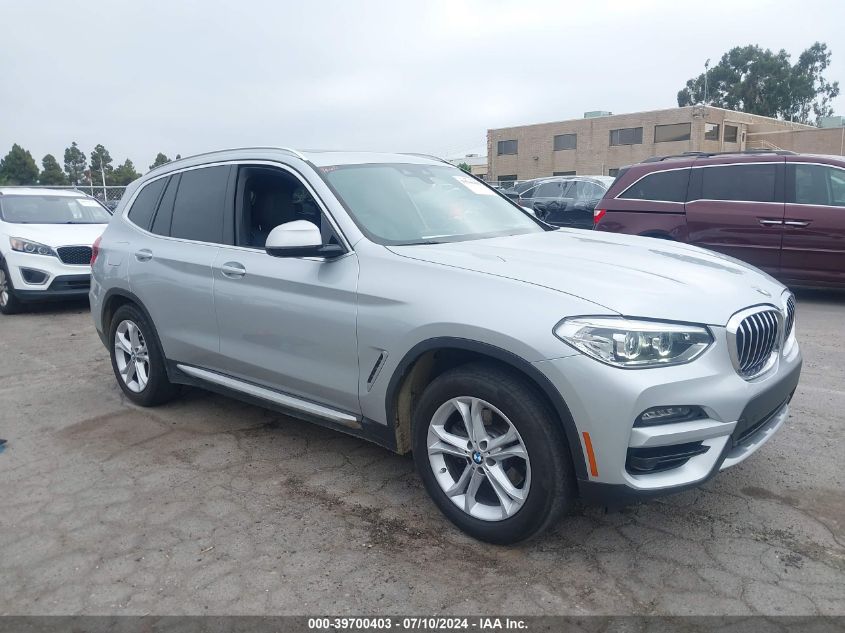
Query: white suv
(45, 244)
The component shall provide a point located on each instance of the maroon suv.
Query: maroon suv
(780, 211)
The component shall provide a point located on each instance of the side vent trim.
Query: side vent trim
(376, 370)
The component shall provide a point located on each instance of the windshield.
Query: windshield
(49, 209)
(414, 204)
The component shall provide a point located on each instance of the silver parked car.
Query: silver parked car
(398, 299)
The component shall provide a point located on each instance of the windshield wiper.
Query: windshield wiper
(419, 243)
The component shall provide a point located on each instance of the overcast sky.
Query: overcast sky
(427, 76)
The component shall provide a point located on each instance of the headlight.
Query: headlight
(33, 248)
(634, 344)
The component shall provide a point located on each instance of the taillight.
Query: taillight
(598, 214)
(95, 249)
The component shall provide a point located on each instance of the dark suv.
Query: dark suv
(780, 211)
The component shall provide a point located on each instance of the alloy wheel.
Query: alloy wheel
(4, 288)
(478, 458)
(132, 356)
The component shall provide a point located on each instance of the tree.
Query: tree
(465, 167)
(18, 167)
(75, 164)
(52, 173)
(161, 159)
(757, 81)
(101, 161)
(124, 174)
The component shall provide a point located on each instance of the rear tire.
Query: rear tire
(505, 474)
(137, 360)
(9, 302)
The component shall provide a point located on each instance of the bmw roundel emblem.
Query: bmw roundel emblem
(476, 457)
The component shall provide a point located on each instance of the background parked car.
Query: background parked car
(566, 200)
(45, 244)
(780, 211)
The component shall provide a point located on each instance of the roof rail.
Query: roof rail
(747, 152)
(429, 156)
(290, 151)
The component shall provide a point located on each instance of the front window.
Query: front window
(412, 204)
(47, 209)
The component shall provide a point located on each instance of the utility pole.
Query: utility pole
(706, 70)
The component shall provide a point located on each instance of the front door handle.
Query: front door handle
(144, 255)
(233, 270)
(771, 222)
(800, 223)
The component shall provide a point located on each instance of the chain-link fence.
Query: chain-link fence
(109, 195)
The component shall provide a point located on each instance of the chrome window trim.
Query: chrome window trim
(240, 161)
(731, 330)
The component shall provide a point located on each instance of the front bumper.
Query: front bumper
(56, 280)
(739, 417)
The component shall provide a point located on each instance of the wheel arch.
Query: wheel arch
(114, 299)
(429, 358)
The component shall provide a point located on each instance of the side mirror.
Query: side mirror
(300, 238)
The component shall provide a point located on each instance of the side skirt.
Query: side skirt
(292, 406)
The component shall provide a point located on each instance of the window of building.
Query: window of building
(815, 184)
(508, 180)
(711, 131)
(749, 182)
(563, 173)
(145, 203)
(626, 136)
(613, 171)
(731, 133)
(200, 205)
(506, 147)
(672, 132)
(566, 141)
(665, 186)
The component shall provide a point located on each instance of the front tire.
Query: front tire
(492, 454)
(9, 303)
(137, 359)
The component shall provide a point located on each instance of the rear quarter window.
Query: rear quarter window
(144, 206)
(663, 186)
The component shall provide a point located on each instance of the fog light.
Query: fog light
(668, 415)
(32, 276)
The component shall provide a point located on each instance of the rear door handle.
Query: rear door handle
(233, 270)
(800, 223)
(144, 255)
(771, 222)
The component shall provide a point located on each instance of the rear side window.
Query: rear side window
(548, 190)
(664, 186)
(199, 208)
(141, 213)
(750, 182)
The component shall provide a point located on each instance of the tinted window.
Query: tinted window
(200, 203)
(753, 183)
(548, 190)
(711, 131)
(161, 223)
(145, 203)
(672, 132)
(507, 147)
(731, 133)
(566, 141)
(666, 186)
(626, 136)
(816, 184)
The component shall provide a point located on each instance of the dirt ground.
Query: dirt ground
(210, 506)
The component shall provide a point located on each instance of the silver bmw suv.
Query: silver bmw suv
(400, 300)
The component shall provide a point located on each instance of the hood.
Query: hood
(57, 234)
(633, 276)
